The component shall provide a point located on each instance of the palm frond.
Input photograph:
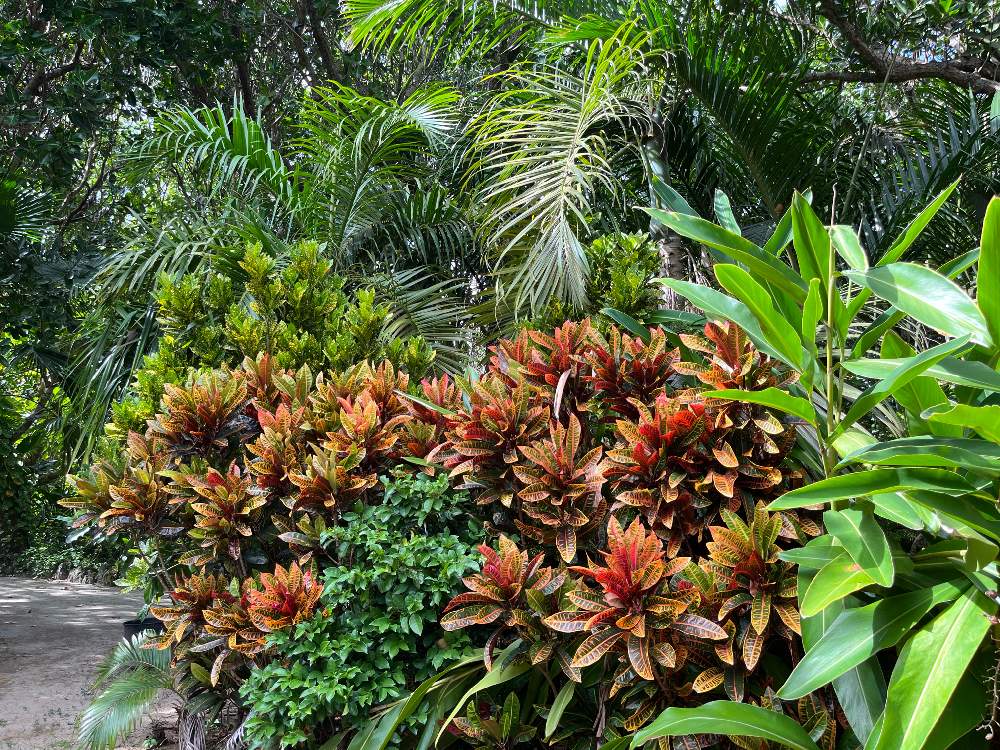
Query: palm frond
(542, 158)
(23, 212)
(129, 681)
(229, 151)
(435, 310)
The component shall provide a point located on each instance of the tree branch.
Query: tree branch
(967, 72)
(43, 77)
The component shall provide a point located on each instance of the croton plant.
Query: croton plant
(634, 560)
(628, 558)
(232, 486)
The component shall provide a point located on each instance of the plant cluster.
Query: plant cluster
(295, 309)
(253, 489)
(635, 562)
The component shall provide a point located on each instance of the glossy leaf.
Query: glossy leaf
(773, 397)
(862, 483)
(859, 633)
(727, 717)
(988, 278)
(835, 580)
(557, 708)
(929, 669)
(927, 450)
(928, 297)
(951, 370)
(864, 541)
(765, 266)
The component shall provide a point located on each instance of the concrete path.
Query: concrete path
(53, 635)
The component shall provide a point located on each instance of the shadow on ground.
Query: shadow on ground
(53, 635)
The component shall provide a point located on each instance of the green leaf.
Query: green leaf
(863, 483)
(814, 555)
(927, 296)
(558, 706)
(859, 533)
(773, 397)
(911, 368)
(983, 419)
(779, 332)
(977, 514)
(929, 669)
(896, 508)
(909, 235)
(627, 322)
(927, 450)
(861, 689)
(950, 369)
(498, 676)
(727, 717)
(670, 198)
(834, 581)
(848, 245)
(859, 633)
(741, 250)
(509, 715)
(782, 235)
(724, 213)
(811, 241)
(988, 279)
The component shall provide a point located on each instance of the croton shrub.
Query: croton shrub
(634, 566)
(236, 494)
(629, 564)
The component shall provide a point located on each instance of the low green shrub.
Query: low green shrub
(374, 636)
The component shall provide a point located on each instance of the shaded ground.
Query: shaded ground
(53, 635)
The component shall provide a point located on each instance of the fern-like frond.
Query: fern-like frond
(542, 159)
(129, 681)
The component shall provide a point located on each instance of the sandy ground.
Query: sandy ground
(53, 635)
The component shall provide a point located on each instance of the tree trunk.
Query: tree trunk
(672, 265)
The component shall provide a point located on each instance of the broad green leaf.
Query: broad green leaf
(377, 734)
(811, 241)
(627, 322)
(779, 332)
(928, 450)
(859, 533)
(558, 706)
(964, 713)
(863, 483)
(892, 316)
(671, 199)
(983, 419)
(848, 245)
(927, 296)
(896, 508)
(498, 676)
(902, 375)
(978, 514)
(741, 250)
(929, 669)
(814, 555)
(812, 312)
(835, 580)
(724, 213)
(861, 632)
(861, 689)
(950, 369)
(782, 235)
(727, 717)
(920, 393)
(988, 278)
(773, 397)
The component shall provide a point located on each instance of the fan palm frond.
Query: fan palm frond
(541, 156)
(23, 212)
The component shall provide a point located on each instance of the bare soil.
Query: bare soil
(53, 636)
